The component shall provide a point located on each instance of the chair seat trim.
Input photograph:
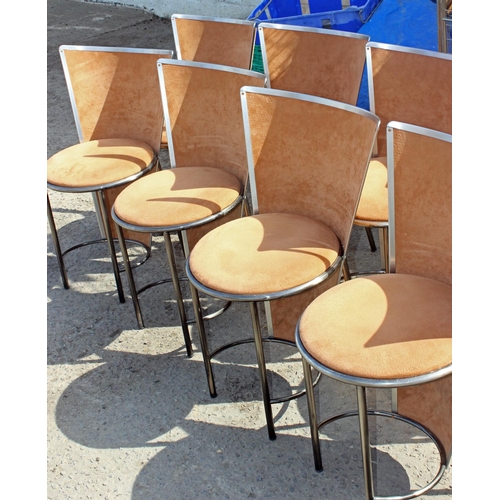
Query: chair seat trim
(265, 296)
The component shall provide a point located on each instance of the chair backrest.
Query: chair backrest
(420, 201)
(214, 40)
(307, 155)
(203, 114)
(115, 92)
(410, 86)
(321, 62)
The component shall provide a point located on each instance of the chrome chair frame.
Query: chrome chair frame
(265, 298)
(309, 363)
(383, 226)
(180, 230)
(98, 190)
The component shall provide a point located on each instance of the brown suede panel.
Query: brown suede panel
(117, 95)
(98, 162)
(323, 65)
(411, 88)
(384, 326)
(263, 254)
(286, 312)
(310, 159)
(431, 405)
(215, 42)
(423, 206)
(374, 203)
(176, 196)
(204, 109)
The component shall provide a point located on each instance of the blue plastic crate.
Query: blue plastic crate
(327, 14)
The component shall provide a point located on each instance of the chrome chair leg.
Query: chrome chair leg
(371, 240)
(313, 416)
(203, 340)
(365, 442)
(384, 248)
(259, 349)
(130, 276)
(57, 246)
(178, 293)
(111, 245)
(346, 272)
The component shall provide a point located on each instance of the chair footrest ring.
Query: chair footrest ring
(283, 399)
(207, 317)
(396, 416)
(104, 240)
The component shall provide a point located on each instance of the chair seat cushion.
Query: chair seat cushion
(97, 164)
(264, 254)
(176, 196)
(374, 201)
(381, 327)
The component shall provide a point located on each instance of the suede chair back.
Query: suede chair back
(420, 243)
(204, 125)
(320, 62)
(214, 40)
(410, 86)
(306, 169)
(115, 93)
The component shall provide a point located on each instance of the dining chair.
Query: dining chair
(214, 40)
(305, 183)
(206, 182)
(394, 330)
(320, 62)
(115, 97)
(408, 85)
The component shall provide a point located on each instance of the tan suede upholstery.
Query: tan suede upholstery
(98, 162)
(381, 327)
(177, 196)
(423, 205)
(264, 253)
(410, 88)
(322, 64)
(214, 41)
(373, 205)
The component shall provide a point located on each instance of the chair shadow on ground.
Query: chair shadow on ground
(135, 400)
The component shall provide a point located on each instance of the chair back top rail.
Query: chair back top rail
(420, 201)
(114, 92)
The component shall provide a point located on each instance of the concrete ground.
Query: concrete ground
(128, 414)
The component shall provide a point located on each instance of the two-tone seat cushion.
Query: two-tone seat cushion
(264, 254)
(98, 164)
(176, 196)
(374, 201)
(386, 326)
